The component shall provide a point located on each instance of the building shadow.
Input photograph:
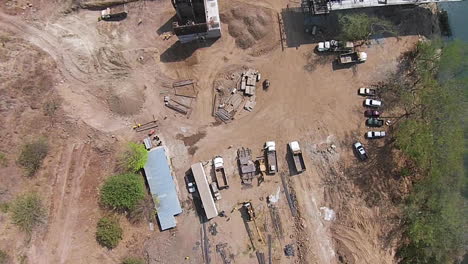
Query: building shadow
(182, 51)
(167, 26)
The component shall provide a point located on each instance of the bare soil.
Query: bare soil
(103, 77)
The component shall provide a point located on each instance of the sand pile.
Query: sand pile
(125, 99)
(251, 26)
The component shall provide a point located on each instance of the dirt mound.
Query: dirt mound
(251, 26)
(125, 99)
(113, 61)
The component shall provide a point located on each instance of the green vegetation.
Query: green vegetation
(432, 135)
(4, 258)
(134, 157)
(133, 260)
(3, 160)
(51, 106)
(361, 26)
(123, 192)
(27, 211)
(108, 233)
(144, 210)
(32, 155)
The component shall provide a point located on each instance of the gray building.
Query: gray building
(162, 187)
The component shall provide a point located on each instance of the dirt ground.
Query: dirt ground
(105, 76)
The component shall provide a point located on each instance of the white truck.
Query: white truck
(220, 174)
(272, 160)
(296, 153)
(116, 12)
(335, 46)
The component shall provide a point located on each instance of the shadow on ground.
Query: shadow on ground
(180, 52)
(408, 20)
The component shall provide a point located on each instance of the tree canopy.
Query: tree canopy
(433, 137)
(123, 192)
(361, 26)
(134, 157)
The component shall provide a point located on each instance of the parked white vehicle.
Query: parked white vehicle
(375, 134)
(372, 103)
(366, 92)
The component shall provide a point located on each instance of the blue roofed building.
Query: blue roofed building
(162, 187)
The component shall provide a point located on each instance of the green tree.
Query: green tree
(356, 27)
(32, 155)
(108, 233)
(134, 157)
(133, 260)
(123, 192)
(433, 137)
(27, 211)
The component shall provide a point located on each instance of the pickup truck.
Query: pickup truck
(335, 46)
(375, 134)
(270, 153)
(367, 92)
(220, 174)
(296, 153)
(352, 57)
(371, 113)
(372, 103)
(374, 122)
(360, 151)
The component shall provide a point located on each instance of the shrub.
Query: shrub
(133, 260)
(123, 191)
(134, 157)
(27, 211)
(32, 155)
(3, 160)
(5, 259)
(108, 233)
(361, 26)
(144, 210)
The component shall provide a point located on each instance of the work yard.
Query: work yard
(83, 84)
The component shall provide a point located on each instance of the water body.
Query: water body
(458, 18)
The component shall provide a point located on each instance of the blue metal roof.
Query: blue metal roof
(162, 187)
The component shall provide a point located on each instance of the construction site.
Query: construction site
(249, 134)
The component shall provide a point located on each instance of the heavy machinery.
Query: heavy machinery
(271, 158)
(296, 153)
(220, 174)
(246, 165)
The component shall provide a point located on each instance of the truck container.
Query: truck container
(352, 57)
(115, 12)
(296, 153)
(272, 161)
(220, 174)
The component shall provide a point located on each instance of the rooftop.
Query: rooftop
(162, 187)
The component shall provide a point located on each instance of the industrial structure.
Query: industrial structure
(204, 190)
(196, 20)
(162, 187)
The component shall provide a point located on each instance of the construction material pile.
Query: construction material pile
(231, 95)
(182, 96)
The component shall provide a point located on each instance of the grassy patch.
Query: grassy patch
(4, 258)
(32, 155)
(109, 233)
(27, 211)
(133, 260)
